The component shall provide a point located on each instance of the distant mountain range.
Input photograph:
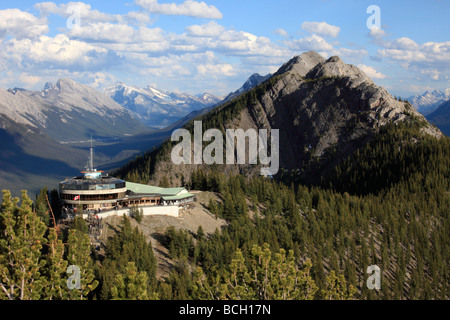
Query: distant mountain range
(156, 108)
(441, 117)
(45, 134)
(255, 80)
(427, 102)
(69, 111)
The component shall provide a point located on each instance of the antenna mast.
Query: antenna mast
(91, 158)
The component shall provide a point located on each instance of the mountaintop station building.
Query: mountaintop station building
(101, 194)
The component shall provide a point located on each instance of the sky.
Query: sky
(215, 45)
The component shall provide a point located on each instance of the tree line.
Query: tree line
(388, 205)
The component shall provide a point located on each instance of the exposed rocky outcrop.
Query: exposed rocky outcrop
(324, 109)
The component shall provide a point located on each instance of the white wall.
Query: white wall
(148, 211)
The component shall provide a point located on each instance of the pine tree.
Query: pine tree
(128, 245)
(21, 241)
(164, 183)
(79, 256)
(337, 288)
(41, 206)
(262, 277)
(55, 269)
(132, 285)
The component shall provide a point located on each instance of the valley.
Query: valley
(46, 134)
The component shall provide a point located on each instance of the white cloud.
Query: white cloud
(404, 43)
(280, 32)
(29, 80)
(123, 44)
(105, 32)
(58, 52)
(187, 8)
(313, 42)
(216, 69)
(137, 18)
(377, 33)
(371, 72)
(211, 29)
(21, 25)
(85, 12)
(434, 74)
(321, 28)
(431, 59)
(87, 15)
(419, 89)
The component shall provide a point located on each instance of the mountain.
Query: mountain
(254, 80)
(45, 134)
(30, 159)
(157, 108)
(69, 111)
(441, 117)
(324, 110)
(428, 101)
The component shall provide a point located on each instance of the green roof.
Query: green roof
(178, 197)
(146, 189)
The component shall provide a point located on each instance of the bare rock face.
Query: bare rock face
(301, 65)
(324, 110)
(324, 107)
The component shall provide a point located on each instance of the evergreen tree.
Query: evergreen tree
(79, 255)
(128, 245)
(21, 241)
(337, 288)
(133, 285)
(55, 268)
(41, 206)
(164, 183)
(266, 277)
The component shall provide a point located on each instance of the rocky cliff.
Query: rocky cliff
(324, 110)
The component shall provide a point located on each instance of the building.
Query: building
(142, 195)
(95, 192)
(92, 193)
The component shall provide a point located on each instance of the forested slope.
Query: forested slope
(386, 205)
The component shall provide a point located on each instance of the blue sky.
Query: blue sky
(213, 46)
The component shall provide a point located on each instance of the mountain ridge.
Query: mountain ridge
(324, 110)
(428, 101)
(60, 119)
(157, 108)
(74, 111)
(441, 117)
(253, 81)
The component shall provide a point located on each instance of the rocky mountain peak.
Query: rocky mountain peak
(48, 86)
(429, 101)
(323, 109)
(301, 64)
(254, 80)
(335, 67)
(69, 86)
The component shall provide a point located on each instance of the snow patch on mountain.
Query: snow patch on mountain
(158, 108)
(427, 102)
